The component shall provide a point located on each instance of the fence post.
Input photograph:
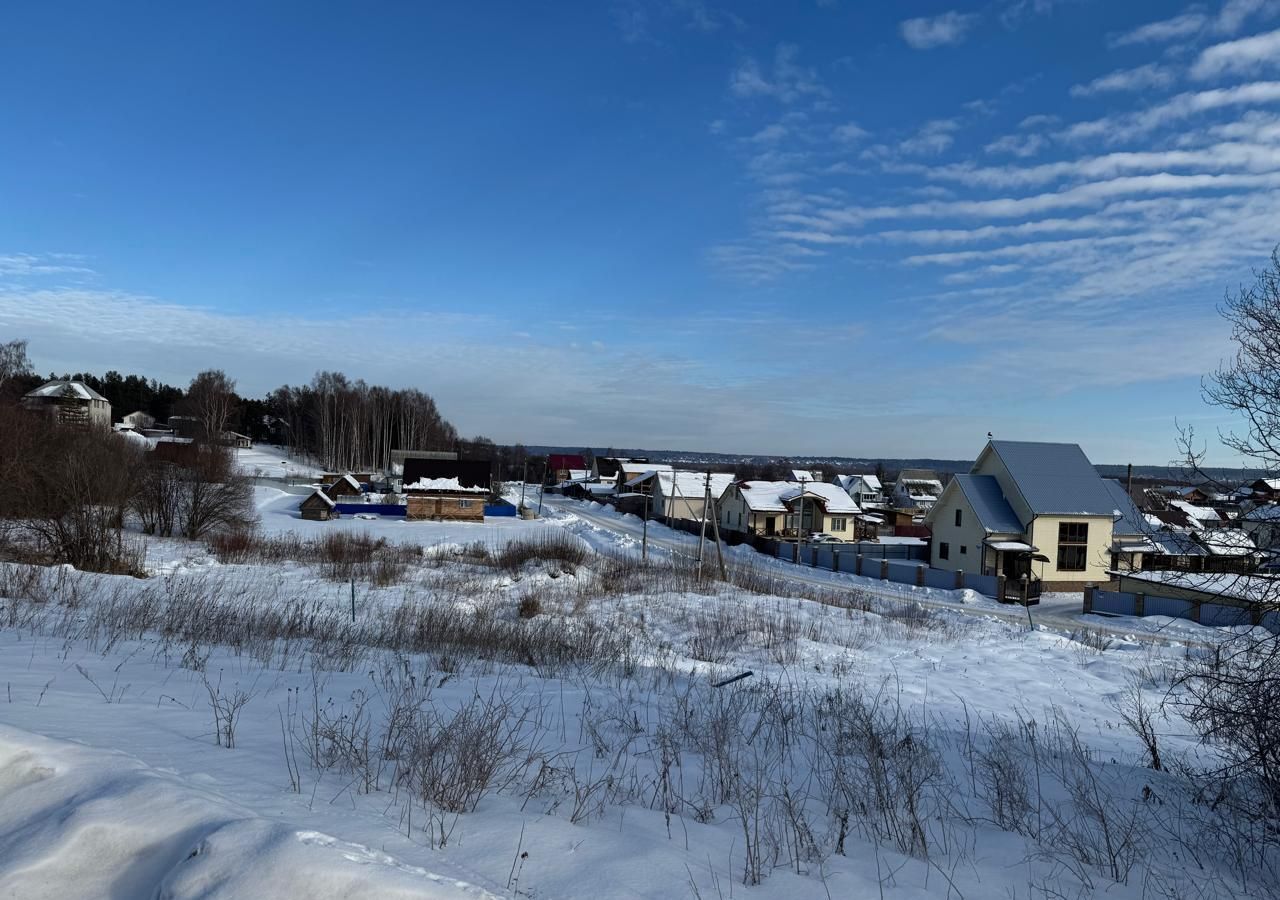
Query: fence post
(884, 570)
(857, 564)
(1139, 604)
(815, 556)
(1195, 611)
(920, 576)
(835, 560)
(1088, 598)
(795, 553)
(1000, 588)
(959, 579)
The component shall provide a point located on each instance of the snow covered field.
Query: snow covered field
(525, 711)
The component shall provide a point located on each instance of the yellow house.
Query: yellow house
(779, 508)
(1030, 509)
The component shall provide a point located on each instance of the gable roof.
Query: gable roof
(989, 504)
(76, 390)
(1131, 520)
(776, 496)
(1055, 479)
(806, 475)
(848, 482)
(687, 485)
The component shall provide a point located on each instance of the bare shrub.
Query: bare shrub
(548, 546)
(226, 707)
(530, 605)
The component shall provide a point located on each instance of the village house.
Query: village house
(681, 495)
(917, 489)
(804, 476)
(318, 507)
(70, 403)
(864, 490)
(1129, 533)
(139, 420)
(446, 489)
(1263, 523)
(1027, 510)
(785, 509)
(561, 466)
(632, 469)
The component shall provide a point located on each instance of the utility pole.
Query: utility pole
(644, 539)
(524, 478)
(800, 520)
(715, 530)
(542, 489)
(702, 535)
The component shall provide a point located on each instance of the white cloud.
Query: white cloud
(1235, 13)
(1021, 145)
(787, 81)
(1182, 26)
(1152, 75)
(927, 32)
(1182, 106)
(933, 138)
(849, 133)
(1247, 55)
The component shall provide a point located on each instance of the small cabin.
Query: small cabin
(318, 507)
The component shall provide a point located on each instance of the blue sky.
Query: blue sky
(822, 227)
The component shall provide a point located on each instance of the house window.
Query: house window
(1073, 540)
(790, 521)
(959, 516)
(464, 504)
(944, 550)
(964, 549)
(839, 524)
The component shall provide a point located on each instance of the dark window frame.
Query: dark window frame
(1073, 547)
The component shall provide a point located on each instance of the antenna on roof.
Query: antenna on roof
(989, 435)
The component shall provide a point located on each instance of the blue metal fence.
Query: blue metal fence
(377, 509)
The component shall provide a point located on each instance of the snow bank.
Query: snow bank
(78, 822)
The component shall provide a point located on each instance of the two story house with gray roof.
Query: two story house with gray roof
(1027, 508)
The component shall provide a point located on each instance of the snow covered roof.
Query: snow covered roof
(1199, 513)
(61, 388)
(805, 475)
(1227, 542)
(693, 484)
(1256, 588)
(351, 480)
(849, 482)
(776, 496)
(451, 485)
(328, 501)
(1012, 546)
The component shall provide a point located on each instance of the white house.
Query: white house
(865, 490)
(778, 508)
(917, 489)
(683, 495)
(70, 403)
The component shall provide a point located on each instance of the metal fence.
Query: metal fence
(1125, 603)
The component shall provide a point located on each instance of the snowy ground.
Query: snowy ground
(270, 461)
(619, 770)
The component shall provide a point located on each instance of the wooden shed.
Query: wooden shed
(318, 507)
(343, 486)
